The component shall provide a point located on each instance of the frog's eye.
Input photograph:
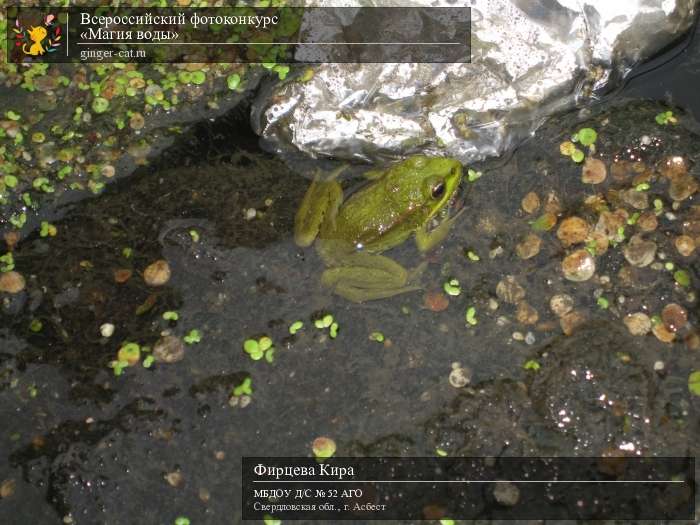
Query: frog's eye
(438, 190)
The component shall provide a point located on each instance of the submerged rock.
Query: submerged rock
(638, 323)
(593, 171)
(12, 282)
(509, 290)
(169, 349)
(674, 317)
(573, 230)
(640, 252)
(530, 203)
(561, 304)
(157, 273)
(578, 266)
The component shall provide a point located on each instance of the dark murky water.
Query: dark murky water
(155, 443)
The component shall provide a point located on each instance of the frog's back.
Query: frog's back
(373, 220)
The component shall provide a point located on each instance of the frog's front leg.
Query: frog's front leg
(427, 239)
(363, 277)
(319, 205)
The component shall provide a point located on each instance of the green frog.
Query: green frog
(414, 196)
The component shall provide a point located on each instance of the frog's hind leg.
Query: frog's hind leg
(365, 277)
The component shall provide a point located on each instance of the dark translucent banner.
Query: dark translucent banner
(619, 488)
(239, 34)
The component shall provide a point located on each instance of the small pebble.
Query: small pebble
(157, 274)
(518, 336)
(593, 171)
(578, 266)
(692, 339)
(674, 317)
(647, 221)
(682, 187)
(526, 314)
(561, 304)
(137, 122)
(662, 333)
(7, 488)
(685, 245)
(507, 494)
(174, 479)
(108, 171)
(122, 275)
(530, 338)
(552, 203)
(571, 321)
(509, 290)
(169, 349)
(659, 366)
(250, 214)
(12, 282)
(673, 167)
(529, 247)
(530, 203)
(638, 323)
(496, 252)
(460, 377)
(573, 230)
(639, 252)
(107, 330)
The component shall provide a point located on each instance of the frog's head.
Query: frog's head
(430, 184)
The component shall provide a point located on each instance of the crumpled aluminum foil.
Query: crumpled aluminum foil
(530, 59)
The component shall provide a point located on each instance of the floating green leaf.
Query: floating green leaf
(295, 327)
(471, 316)
(100, 105)
(171, 315)
(665, 118)
(587, 136)
(198, 77)
(233, 81)
(682, 278)
(694, 382)
(324, 322)
(473, 175)
(244, 388)
(194, 336)
(452, 287)
(531, 365)
(376, 336)
(577, 155)
(7, 262)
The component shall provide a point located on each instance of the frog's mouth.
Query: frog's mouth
(454, 207)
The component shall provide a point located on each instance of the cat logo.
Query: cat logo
(38, 40)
